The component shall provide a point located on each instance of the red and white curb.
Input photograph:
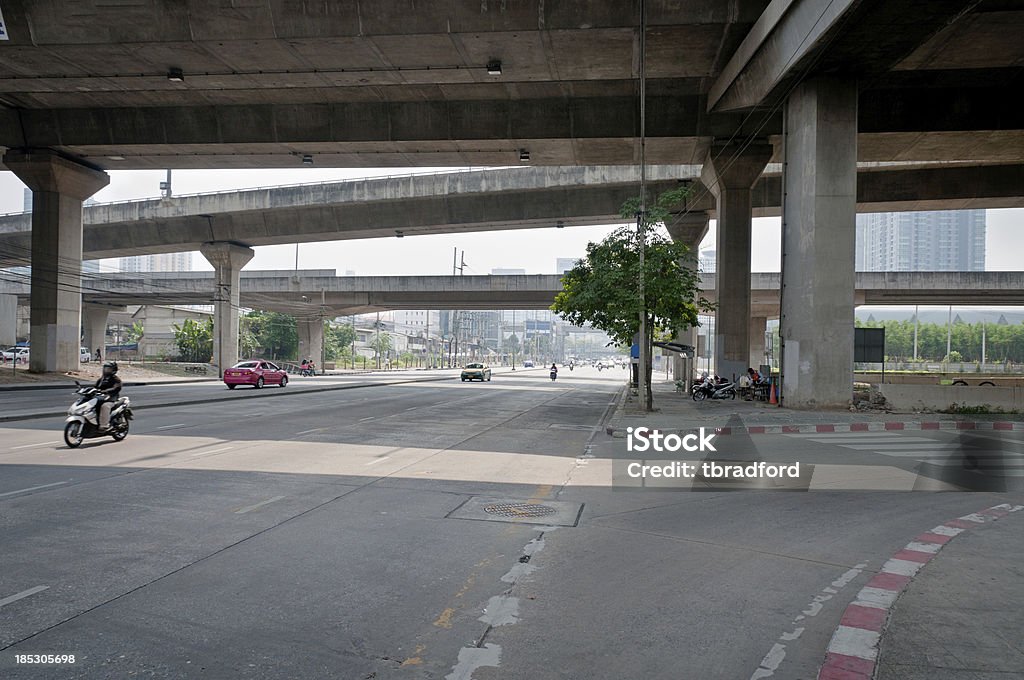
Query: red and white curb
(874, 426)
(853, 649)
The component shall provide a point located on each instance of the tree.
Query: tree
(276, 333)
(602, 289)
(381, 344)
(194, 340)
(135, 332)
(338, 341)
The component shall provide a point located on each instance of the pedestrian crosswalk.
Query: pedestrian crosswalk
(989, 454)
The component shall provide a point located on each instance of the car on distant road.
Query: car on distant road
(19, 353)
(255, 372)
(527, 364)
(476, 371)
(84, 356)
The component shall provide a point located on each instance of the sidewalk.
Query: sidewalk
(962, 617)
(678, 412)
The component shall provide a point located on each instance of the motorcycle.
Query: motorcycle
(710, 389)
(554, 374)
(83, 417)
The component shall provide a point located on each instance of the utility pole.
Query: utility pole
(376, 342)
(949, 335)
(915, 331)
(517, 339)
(641, 219)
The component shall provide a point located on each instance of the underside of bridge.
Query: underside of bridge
(732, 85)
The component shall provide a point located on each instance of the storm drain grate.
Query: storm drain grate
(519, 509)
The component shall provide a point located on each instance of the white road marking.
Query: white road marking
(844, 435)
(315, 429)
(902, 567)
(203, 453)
(857, 642)
(879, 598)
(23, 594)
(943, 530)
(367, 418)
(924, 547)
(31, 488)
(872, 440)
(259, 505)
(379, 460)
(29, 446)
(168, 427)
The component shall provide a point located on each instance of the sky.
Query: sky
(534, 250)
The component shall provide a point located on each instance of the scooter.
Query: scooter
(554, 374)
(82, 422)
(709, 389)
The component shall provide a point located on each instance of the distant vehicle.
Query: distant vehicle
(84, 355)
(19, 353)
(527, 364)
(477, 372)
(255, 372)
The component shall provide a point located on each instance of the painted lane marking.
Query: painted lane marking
(30, 446)
(31, 488)
(379, 460)
(367, 418)
(171, 427)
(777, 654)
(203, 453)
(259, 505)
(315, 429)
(22, 595)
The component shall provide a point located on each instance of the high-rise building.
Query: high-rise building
(945, 240)
(564, 264)
(162, 262)
(27, 198)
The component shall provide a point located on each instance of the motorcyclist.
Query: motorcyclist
(109, 385)
(554, 371)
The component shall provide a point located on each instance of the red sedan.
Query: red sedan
(255, 372)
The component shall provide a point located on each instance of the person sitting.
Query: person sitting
(754, 376)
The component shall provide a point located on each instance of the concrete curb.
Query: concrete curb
(853, 649)
(256, 394)
(870, 426)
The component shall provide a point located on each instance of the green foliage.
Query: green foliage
(277, 334)
(338, 340)
(602, 289)
(1004, 343)
(381, 344)
(135, 332)
(194, 339)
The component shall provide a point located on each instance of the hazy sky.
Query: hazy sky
(534, 250)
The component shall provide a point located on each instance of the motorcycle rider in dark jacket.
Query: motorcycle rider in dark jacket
(110, 385)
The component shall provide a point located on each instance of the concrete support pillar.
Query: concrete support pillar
(818, 234)
(690, 229)
(227, 259)
(758, 327)
(311, 340)
(59, 184)
(94, 322)
(8, 320)
(729, 172)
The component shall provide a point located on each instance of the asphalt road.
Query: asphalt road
(343, 534)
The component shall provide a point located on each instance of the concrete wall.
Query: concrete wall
(942, 397)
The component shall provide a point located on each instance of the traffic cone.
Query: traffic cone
(771, 397)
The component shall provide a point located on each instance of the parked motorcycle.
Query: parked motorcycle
(83, 417)
(712, 389)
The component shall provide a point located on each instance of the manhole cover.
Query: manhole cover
(519, 509)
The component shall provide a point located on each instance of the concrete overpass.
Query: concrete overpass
(478, 200)
(732, 85)
(311, 295)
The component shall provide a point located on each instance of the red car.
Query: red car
(255, 372)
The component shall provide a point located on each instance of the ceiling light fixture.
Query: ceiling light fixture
(399, 233)
(494, 67)
(307, 159)
(175, 75)
(524, 156)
